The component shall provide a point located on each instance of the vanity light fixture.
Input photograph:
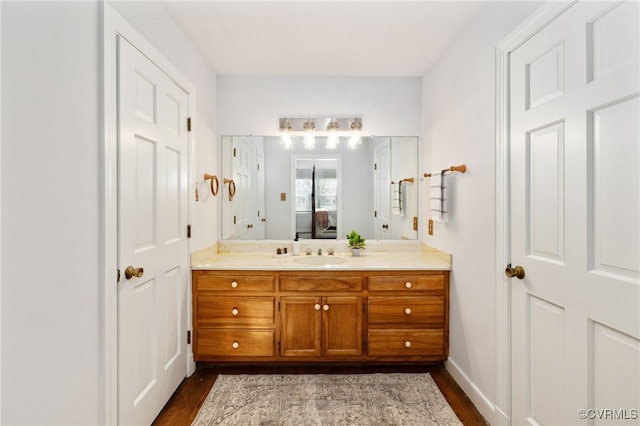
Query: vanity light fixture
(332, 128)
(285, 137)
(309, 138)
(332, 139)
(356, 138)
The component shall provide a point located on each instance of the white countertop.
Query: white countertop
(423, 258)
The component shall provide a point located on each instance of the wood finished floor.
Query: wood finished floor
(183, 406)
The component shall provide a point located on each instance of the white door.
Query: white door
(382, 191)
(260, 194)
(575, 228)
(152, 236)
(244, 197)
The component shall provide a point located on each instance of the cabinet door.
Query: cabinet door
(341, 326)
(300, 319)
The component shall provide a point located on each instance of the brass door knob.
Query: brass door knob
(131, 272)
(516, 271)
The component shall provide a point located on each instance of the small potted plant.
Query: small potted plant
(356, 242)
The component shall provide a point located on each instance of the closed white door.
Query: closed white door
(575, 227)
(152, 237)
(260, 195)
(244, 199)
(382, 191)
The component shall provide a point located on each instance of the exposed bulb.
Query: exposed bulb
(285, 140)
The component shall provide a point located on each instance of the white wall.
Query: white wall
(389, 106)
(458, 119)
(51, 357)
(52, 335)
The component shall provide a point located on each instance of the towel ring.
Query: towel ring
(232, 188)
(215, 183)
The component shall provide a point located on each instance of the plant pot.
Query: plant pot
(355, 251)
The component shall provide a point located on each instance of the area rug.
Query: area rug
(325, 399)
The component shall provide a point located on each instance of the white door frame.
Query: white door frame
(115, 25)
(540, 19)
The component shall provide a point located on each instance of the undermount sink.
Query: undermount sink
(320, 260)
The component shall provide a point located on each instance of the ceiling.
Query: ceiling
(347, 38)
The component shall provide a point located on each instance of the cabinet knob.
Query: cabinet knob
(325, 307)
(235, 345)
(407, 284)
(317, 307)
(407, 311)
(234, 311)
(234, 284)
(407, 344)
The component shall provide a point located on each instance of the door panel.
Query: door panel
(152, 222)
(575, 197)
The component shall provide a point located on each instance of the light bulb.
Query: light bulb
(285, 140)
(309, 140)
(332, 140)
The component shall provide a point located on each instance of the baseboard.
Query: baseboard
(482, 403)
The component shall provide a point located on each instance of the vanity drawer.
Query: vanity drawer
(235, 310)
(426, 311)
(321, 282)
(406, 342)
(407, 283)
(212, 281)
(216, 342)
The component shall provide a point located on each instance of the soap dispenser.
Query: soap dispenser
(296, 245)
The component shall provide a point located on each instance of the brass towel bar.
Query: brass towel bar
(404, 180)
(461, 168)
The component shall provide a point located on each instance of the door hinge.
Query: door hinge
(234, 152)
(375, 166)
(279, 346)
(278, 306)
(118, 276)
(188, 337)
(375, 213)
(188, 124)
(415, 223)
(188, 231)
(234, 220)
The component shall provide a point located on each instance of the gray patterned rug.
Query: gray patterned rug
(326, 399)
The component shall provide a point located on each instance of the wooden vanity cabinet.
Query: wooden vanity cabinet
(408, 316)
(234, 315)
(321, 315)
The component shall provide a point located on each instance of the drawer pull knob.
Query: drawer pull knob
(235, 345)
(407, 311)
(325, 307)
(317, 307)
(234, 284)
(407, 284)
(407, 344)
(234, 311)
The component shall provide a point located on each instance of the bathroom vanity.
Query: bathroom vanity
(380, 307)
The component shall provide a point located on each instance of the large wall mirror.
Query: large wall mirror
(269, 192)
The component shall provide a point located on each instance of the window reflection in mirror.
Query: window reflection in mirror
(273, 199)
(317, 213)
